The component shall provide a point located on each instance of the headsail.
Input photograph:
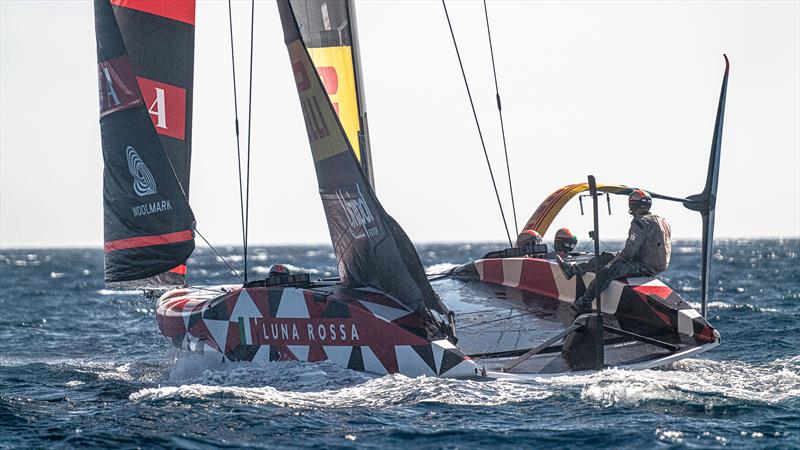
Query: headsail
(145, 53)
(371, 248)
(328, 29)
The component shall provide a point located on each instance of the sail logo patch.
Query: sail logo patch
(362, 222)
(166, 105)
(116, 86)
(145, 209)
(143, 182)
(335, 68)
(312, 112)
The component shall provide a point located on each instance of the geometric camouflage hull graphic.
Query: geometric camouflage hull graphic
(643, 305)
(358, 329)
(364, 330)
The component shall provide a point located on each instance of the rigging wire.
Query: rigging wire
(477, 123)
(219, 256)
(238, 150)
(249, 130)
(500, 112)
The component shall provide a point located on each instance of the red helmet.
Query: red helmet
(639, 202)
(278, 269)
(565, 241)
(527, 237)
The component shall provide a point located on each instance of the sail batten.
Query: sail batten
(371, 248)
(145, 69)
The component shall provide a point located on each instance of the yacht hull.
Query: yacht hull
(358, 329)
(503, 307)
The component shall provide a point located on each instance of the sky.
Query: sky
(623, 90)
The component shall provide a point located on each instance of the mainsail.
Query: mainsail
(371, 248)
(145, 55)
(328, 29)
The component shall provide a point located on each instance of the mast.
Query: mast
(363, 135)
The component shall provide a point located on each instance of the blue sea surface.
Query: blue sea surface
(82, 366)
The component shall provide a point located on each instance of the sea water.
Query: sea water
(83, 366)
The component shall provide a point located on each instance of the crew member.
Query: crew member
(278, 269)
(563, 244)
(528, 237)
(646, 253)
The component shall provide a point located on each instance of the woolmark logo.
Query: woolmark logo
(358, 214)
(143, 182)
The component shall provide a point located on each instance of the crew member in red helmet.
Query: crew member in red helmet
(563, 243)
(278, 269)
(528, 237)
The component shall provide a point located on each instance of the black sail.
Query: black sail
(145, 58)
(371, 248)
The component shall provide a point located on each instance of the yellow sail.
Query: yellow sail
(335, 67)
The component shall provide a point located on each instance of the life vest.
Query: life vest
(656, 249)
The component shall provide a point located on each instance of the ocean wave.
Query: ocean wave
(695, 382)
(733, 306)
(320, 252)
(391, 390)
(292, 269)
(324, 385)
(99, 369)
(439, 268)
(686, 250)
(120, 292)
(702, 383)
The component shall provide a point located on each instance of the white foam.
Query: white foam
(724, 305)
(292, 269)
(120, 292)
(701, 382)
(705, 383)
(324, 385)
(439, 268)
(668, 435)
(381, 392)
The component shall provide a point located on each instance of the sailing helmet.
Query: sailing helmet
(565, 241)
(528, 237)
(639, 202)
(278, 269)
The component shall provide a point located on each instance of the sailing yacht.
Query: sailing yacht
(382, 314)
